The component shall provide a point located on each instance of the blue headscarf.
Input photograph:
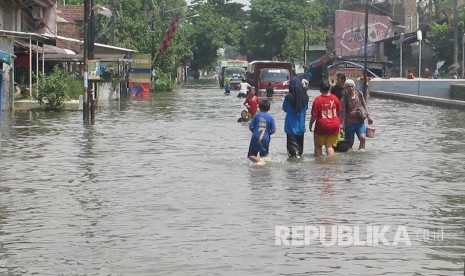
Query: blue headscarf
(297, 95)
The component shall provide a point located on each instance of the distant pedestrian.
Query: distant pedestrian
(427, 73)
(227, 88)
(243, 89)
(269, 90)
(338, 89)
(410, 75)
(325, 110)
(262, 127)
(295, 105)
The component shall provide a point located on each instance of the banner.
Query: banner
(169, 34)
(349, 37)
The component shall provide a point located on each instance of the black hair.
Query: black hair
(264, 105)
(341, 76)
(324, 86)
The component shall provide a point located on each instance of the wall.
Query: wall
(106, 93)
(6, 46)
(457, 92)
(437, 88)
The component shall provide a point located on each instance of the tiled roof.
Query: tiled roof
(73, 13)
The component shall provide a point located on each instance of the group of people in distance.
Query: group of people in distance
(339, 110)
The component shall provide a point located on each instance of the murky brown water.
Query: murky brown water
(163, 187)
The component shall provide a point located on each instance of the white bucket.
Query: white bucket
(370, 131)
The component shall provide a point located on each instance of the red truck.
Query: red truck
(262, 73)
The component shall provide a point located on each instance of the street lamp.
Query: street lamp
(419, 38)
(103, 11)
(401, 42)
(463, 55)
(365, 55)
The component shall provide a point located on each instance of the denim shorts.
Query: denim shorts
(352, 129)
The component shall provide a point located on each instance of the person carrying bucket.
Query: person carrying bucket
(354, 110)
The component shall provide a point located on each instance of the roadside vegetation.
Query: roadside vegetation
(55, 89)
(270, 29)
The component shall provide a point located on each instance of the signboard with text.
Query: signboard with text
(349, 37)
(140, 75)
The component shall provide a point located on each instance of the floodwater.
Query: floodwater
(163, 187)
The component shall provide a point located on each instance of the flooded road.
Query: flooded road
(163, 187)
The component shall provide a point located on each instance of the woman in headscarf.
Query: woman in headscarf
(295, 105)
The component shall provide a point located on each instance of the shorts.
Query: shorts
(322, 140)
(350, 130)
(258, 147)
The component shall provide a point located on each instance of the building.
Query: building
(35, 35)
(22, 22)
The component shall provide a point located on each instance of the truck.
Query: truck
(275, 73)
(231, 70)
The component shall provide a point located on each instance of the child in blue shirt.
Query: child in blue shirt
(262, 127)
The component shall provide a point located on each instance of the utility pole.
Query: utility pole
(401, 43)
(112, 26)
(305, 45)
(88, 109)
(456, 36)
(365, 57)
(152, 56)
(92, 86)
(85, 57)
(463, 56)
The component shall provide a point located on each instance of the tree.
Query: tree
(211, 31)
(276, 25)
(450, 10)
(438, 37)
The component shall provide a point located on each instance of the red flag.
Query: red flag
(169, 34)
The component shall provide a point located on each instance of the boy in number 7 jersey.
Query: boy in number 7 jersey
(262, 127)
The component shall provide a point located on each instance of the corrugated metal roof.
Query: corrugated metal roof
(34, 36)
(45, 49)
(96, 44)
(40, 3)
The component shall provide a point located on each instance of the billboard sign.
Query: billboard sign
(349, 38)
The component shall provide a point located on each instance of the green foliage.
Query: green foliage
(75, 88)
(440, 39)
(270, 29)
(214, 28)
(276, 27)
(163, 82)
(293, 45)
(52, 89)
